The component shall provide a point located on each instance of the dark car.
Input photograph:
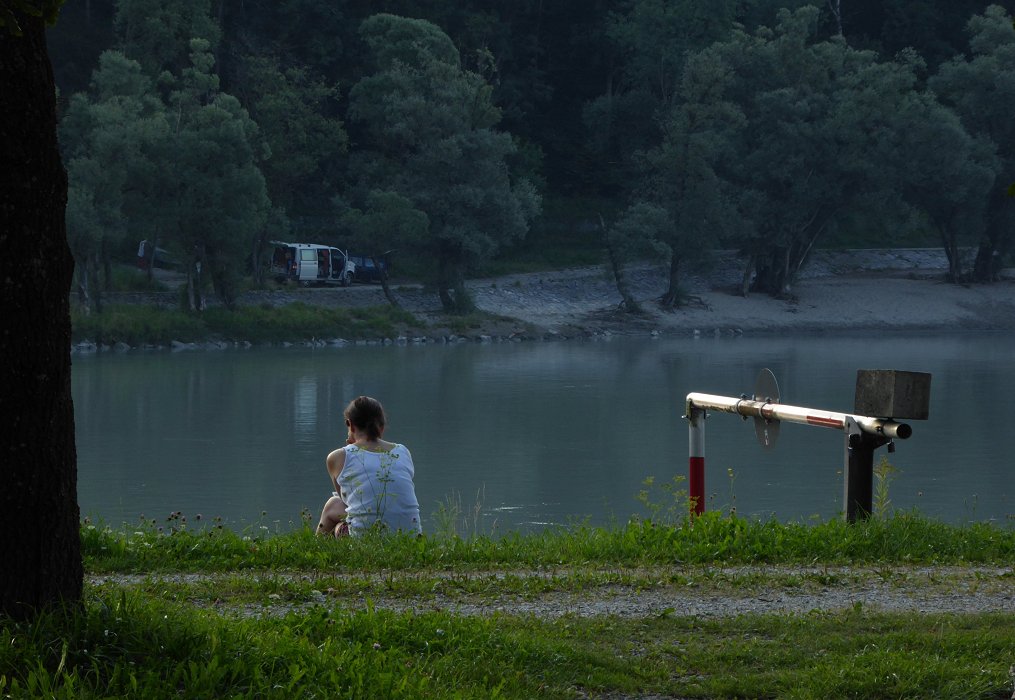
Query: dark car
(366, 270)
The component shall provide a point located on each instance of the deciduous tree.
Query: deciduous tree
(981, 88)
(40, 544)
(430, 125)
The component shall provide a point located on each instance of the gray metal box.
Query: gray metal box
(892, 393)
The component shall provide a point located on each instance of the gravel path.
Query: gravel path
(698, 592)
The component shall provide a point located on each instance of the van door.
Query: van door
(308, 265)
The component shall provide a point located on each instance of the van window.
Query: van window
(307, 255)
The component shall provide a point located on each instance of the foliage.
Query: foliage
(157, 33)
(104, 139)
(979, 88)
(295, 110)
(430, 128)
(623, 102)
(48, 10)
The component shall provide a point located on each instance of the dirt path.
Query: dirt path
(699, 592)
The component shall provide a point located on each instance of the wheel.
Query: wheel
(305, 283)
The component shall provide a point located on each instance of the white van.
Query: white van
(311, 263)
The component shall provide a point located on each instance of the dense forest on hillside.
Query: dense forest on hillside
(454, 132)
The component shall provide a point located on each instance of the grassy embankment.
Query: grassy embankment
(216, 613)
(145, 325)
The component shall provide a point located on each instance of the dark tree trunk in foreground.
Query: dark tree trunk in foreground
(40, 546)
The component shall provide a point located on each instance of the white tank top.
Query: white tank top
(377, 487)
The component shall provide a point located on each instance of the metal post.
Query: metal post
(696, 458)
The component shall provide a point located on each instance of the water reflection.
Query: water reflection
(531, 433)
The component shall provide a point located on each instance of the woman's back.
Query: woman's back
(377, 487)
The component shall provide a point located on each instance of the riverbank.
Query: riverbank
(839, 291)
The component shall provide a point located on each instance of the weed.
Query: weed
(675, 506)
(884, 474)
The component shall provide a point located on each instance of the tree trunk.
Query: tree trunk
(388, 294)
(151, 256)
(951, 246)
(745, 281)
(92, 268)
(444, 285)
(40, 543)
(994, 246)
(463, 300)
(107, 265)
(672, 298)
(619, 276)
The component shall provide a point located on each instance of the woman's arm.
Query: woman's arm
(335, 462)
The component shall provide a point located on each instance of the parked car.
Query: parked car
(366, 270)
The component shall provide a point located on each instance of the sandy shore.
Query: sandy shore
(849, 290)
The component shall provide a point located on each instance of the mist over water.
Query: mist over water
(529, 435)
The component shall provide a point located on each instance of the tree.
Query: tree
(429, 126)
(925, 155)
(101, 145)
(211, 169)
(388, 223)
(40, 543)
(638, 231)
(650, 41)
(157, 33)
(981, 89)
(295, 110)
(795, 166)
(699, 132)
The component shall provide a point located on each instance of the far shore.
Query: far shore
(839, 292)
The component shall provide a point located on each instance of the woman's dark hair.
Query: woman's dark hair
(366, 415)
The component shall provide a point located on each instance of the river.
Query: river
(521, 436)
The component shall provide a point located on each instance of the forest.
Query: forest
(460, 133)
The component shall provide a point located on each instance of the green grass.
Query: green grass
(212, 613)
(710, 539)
(129, 644)
(137, 325)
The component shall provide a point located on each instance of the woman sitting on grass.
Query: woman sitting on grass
(371, 478)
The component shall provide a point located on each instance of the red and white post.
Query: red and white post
(696, 462)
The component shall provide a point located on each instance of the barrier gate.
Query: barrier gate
(888, 394)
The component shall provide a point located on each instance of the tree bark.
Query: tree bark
(619, 276)
(40, 544)
(672, 298)
(383, 271)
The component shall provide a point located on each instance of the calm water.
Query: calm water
(532, 434)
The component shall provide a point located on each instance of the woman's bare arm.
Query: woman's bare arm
(335, 462)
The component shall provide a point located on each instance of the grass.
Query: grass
(708, 540)
(211, 613)
(136, 645)
(138, 325)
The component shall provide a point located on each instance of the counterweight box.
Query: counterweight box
(892, 393)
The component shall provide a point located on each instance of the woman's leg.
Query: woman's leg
(333, 518)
